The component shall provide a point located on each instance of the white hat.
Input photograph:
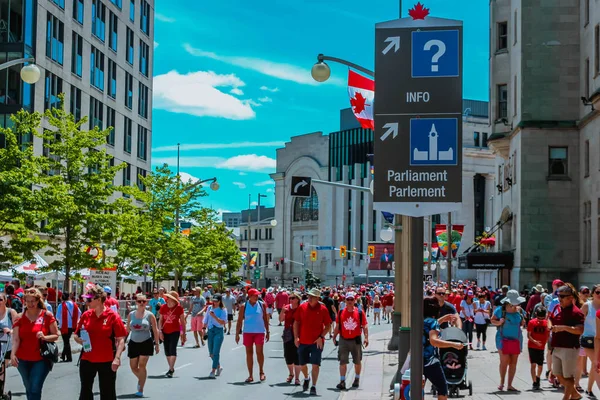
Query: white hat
(513, 298)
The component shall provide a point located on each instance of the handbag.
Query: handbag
(587, 342)
(288, 335)
(48, 350)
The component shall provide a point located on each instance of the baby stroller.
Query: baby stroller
(454, 363)
(4, 341)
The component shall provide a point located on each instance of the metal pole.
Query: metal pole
(416, 315)
(11, 63)
(258, 238)
(449, 255)
(400, 8)
(429, 246)
(177, 217)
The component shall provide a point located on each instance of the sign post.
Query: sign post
(418, 145)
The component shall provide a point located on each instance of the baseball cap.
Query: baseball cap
(107, 289)
(253, 292)
(557, 282)
(350, 295)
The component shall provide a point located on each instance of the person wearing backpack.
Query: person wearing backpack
(14, 301)
(254, 319)
(351, 322)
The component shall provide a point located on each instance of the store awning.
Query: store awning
(500, 260)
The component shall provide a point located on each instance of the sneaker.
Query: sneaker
(139, 394)
(484, 348)
(313, 391)
(356, 382)
(212, 375)
(341, 385)
(169, 373)
(305, 385)
(219, 370)
(478, 345)
(590, 394)
(535, 386)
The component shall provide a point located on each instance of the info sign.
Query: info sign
(418, 116)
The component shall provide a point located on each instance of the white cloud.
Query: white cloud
(163, 18)
(244, 162)
(265, 99)
(196, 93)
(270, 190)
(240, 185)
(212, 146)
(284, 71)
(268, 89)
(253, 204)
(265, 183)
(185, 177)
(243, 174)
(236, 91)
(155, 44)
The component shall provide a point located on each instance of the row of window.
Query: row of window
(99, 15)
(587, 231)
(258, 234)
(126, 173)
(480, 139)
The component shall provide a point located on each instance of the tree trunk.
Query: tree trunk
(67, 261)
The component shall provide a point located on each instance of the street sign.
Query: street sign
(276, 278)
(418, 116)
(301, 186)
(427, 278)
(325, 248)
(257, 274)
(296, 280)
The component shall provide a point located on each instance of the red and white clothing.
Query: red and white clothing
(102, 330)
(312, 320)
(29, 344)
(281, 300)
(351, 323)
(170, 318)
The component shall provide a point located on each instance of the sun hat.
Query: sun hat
(314, 292)
(253, 292)
(513, 298)
(539, 288)
(173, 295)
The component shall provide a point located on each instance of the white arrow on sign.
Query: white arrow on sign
(392, 128)
(299, 185)
(394, 41)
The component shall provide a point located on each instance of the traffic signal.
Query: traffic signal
(301, 246)
(313, 256)
(276, 265)
(343, 251)
(281, 261)
(371, 251)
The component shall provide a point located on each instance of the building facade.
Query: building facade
(335, 216)
(100, 54)
(232, 219)
(544, 91)
(257, 233)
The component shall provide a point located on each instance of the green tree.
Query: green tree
(20, 172)
(311, 279)
(77, 190)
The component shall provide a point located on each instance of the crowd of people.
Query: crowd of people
(561, 324)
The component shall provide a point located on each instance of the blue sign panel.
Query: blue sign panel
(324, 247)
(434, 141)
(435, 54)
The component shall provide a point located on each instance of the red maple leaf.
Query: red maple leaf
(358, 103)
(418, 11)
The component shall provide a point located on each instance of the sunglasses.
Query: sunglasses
(349, 299)
(295, 298)
(440, 293)
(141, 301)
(597, 292)
(1, 300)
(585, 292)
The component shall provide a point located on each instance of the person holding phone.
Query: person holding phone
(215, 319)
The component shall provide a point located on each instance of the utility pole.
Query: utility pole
(449, 254)
(249, 253)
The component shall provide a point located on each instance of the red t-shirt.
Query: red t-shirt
(288, 318)
(456, 303)
(51, 295)
(29, 347)
(110, 302)
(350, 323)
(102, 330)
(570, 316)
(282, 299)
(538, 329)
(312, 321)
(170, 318)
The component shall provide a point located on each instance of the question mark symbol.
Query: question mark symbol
(441, 51)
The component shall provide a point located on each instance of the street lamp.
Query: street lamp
(321, 71)
(29, 73)
(387, 234)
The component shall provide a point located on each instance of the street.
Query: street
(191, 374)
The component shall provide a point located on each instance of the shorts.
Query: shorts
(269, 310)
(377, 310)
(251, 339)
(170, 343)
(536, 356)
(197, 323)
(279, 310)
(435, 374)
(389, 309)
(290, 353)
(564, 362)
(229, 317)
(7, 354)
(347, 347)
(136, 349)
(309, 354)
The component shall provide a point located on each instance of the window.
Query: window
(53, 89)
(587, 231)
(587, 159)
(515, 95)
(141, 173)
(502, 101)
(128, 90)
(118, 3)
(127, 175)
(113, 24)
(110, 124)
(132, 10)
(129, 53)
(502, 36)
(60, 3)
(142, 143)
(515, 25)
(78, 11)
(586, 89)
(558, 161)
(77, 55)
(127, 136)
(476, 139)
(306, 209)
(112, 78)
(96, 114)
(586, 11)
(55, 31)
(97, 68)
(75, 104)
(98, 19)
(484, 139)
(596, 50)
(144, 53)
(145, 17)
(143, 100)
(598, 229)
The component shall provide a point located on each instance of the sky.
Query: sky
(232, 80)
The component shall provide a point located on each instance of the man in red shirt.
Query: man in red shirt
(17, 284)
(311, 324)
(282, 299)
(351, 322)
(51, 293)
(110, 302)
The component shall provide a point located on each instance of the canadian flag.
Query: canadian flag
(362, 92)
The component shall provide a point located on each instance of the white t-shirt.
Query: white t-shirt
(480, 317)
(466, 310)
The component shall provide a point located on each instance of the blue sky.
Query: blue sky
(232, 79)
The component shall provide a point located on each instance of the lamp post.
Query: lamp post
(30, 73)
(222, 269)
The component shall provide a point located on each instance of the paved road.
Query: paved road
(192, 369)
